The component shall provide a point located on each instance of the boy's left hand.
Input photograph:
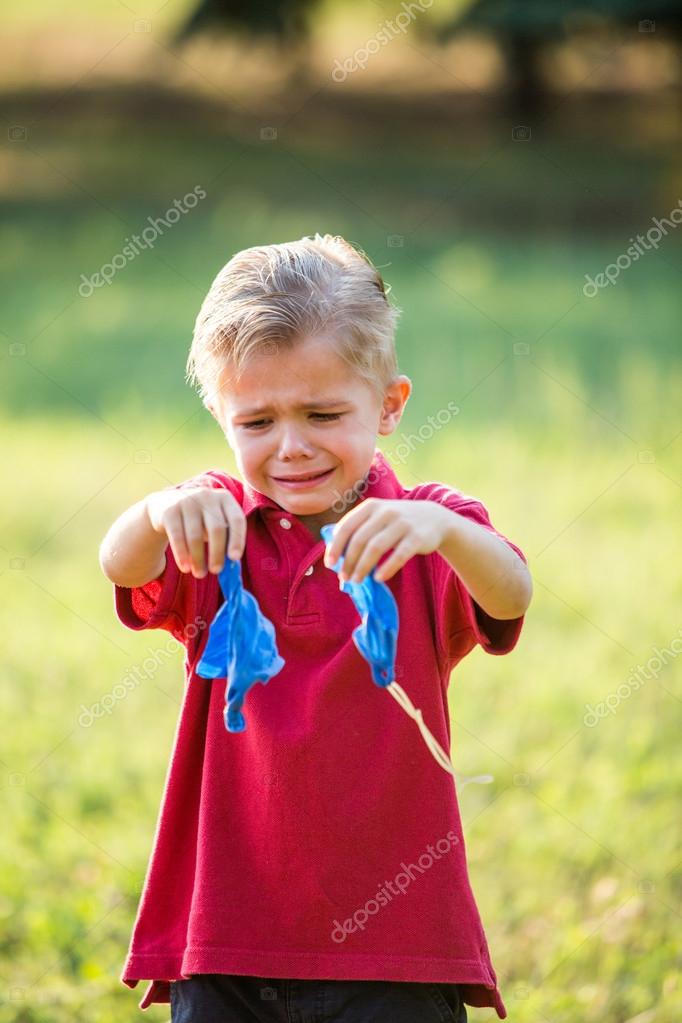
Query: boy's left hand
(376, 525)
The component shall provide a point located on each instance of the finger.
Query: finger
(405, 550)
(229, 524)
(361, 536)
(193, 523)
(215, 525)
(175, 531)
(372, 542)
(345, 528)
(237, 530)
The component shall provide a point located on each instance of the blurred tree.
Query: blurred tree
(285, 21)
(523, 28)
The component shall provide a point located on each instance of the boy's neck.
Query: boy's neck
(314, 522)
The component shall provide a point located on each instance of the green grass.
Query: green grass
(489, 258)
(564, 845)
(572, 445)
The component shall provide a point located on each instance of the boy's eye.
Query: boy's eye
(325, 416)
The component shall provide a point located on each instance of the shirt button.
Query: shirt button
(285, 523)
(309, 570)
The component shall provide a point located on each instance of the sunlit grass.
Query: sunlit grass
(572, 853)
(566, 427)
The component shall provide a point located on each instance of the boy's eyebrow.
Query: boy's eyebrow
(327, 403)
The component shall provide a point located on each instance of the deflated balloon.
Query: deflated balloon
(241, 645)
(377, 637)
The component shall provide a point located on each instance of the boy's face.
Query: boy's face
(301, 412)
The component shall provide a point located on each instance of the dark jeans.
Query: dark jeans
(227, 998)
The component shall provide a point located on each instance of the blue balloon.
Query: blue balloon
(377, 637)
(241, 645)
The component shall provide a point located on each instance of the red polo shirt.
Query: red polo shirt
(324, 841)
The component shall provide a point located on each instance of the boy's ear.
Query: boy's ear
(395, 399)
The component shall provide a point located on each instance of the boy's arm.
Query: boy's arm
(494, 574)
(163, 553)
(132, 553)
(461, 622)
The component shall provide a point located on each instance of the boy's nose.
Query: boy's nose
(293, 443)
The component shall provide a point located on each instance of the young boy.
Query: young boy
(312, 867)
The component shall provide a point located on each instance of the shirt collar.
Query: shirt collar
(380, 481)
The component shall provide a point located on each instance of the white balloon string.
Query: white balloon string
(437, 751)
(439, 754)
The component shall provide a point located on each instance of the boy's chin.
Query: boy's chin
(299, 505)
(310, 505)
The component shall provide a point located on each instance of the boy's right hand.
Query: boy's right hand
(193, 515)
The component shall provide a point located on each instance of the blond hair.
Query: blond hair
(280, 294)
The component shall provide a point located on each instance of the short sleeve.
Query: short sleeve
(163, 603)
(461, 623)
(174, 601)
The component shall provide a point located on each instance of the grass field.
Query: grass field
(571, 439)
